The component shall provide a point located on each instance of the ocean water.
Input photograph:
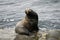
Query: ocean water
(12, 11)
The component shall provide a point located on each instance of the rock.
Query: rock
(53, 35)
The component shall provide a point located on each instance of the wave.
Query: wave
(7, 4)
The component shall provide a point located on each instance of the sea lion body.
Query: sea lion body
(29, 24)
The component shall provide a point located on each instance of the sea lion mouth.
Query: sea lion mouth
(27, 10)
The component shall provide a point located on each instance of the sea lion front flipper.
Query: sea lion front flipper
(21, 30)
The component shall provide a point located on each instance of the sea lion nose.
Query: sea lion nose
(27, 10)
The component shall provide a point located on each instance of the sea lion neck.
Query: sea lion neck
(31, 17)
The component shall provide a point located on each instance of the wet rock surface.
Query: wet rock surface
(9, 34)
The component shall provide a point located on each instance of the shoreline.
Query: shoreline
(9, 34)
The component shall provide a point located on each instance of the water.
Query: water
(12, 11)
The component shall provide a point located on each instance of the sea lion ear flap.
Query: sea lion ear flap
(27, 10)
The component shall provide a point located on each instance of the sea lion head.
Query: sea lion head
(28, 10)
(30, 13)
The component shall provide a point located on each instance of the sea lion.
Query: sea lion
(29, 24)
